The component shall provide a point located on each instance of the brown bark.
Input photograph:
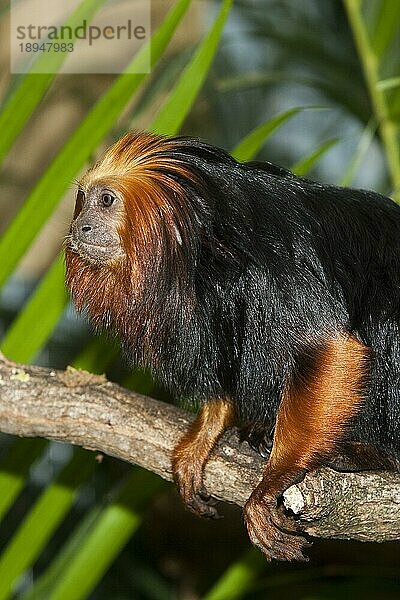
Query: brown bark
(87, 410)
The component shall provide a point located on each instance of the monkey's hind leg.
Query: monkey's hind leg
(193, 451)
(326, 392)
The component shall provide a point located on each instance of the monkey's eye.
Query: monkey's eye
(107, 199)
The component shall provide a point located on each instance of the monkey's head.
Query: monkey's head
(133, 228)
(130, 201)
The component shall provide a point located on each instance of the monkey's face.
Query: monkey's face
(97, 220)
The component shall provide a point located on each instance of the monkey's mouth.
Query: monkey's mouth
(95, 251)
(98, 245)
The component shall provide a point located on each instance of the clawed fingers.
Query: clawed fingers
(196, 497)
(203, 508)
(275, 544)
(275, 533)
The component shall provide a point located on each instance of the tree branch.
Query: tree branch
(87, 410)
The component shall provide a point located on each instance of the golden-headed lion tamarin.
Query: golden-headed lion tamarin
(271, 300)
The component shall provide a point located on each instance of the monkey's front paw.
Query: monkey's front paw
(188, 476)
(270, 529)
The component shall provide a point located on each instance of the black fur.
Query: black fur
(274, 264)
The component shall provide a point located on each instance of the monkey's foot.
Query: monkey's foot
(188, 476)
(272, 531)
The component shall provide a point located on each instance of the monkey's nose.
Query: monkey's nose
(86, 228)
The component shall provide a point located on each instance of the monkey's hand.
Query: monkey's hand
(276, 534)
(188, 469)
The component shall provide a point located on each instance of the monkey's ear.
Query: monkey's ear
(79, 200)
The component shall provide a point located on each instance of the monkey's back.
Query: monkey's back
(360, 248)
(342, 272)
